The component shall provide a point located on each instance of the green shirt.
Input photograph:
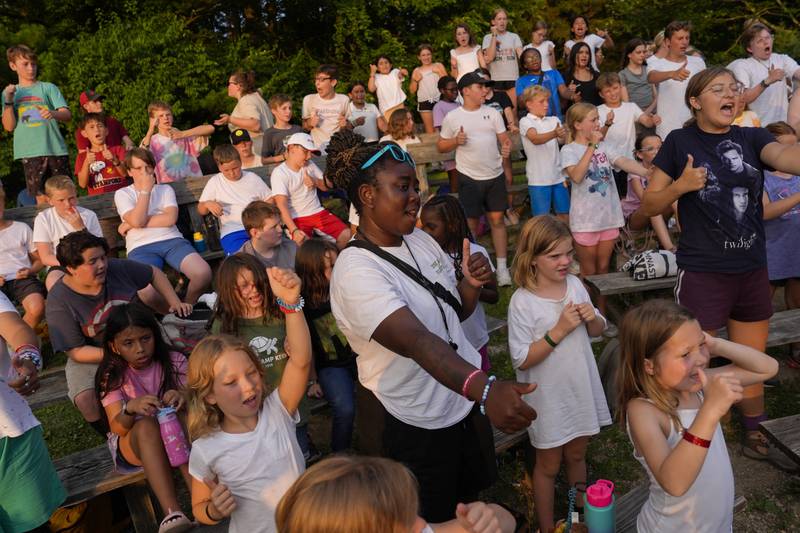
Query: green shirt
(35, 136)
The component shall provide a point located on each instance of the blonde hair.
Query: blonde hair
(534, 91)
(576, 113)
(346, 494)
(157, 106)
(539, 236)
(642, 333)
(203, 417)
(58, 183)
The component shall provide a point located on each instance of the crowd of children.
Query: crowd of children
(307, 306)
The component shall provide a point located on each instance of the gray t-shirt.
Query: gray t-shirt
(282, 258)
(505, 66)
(274, 138)
(77, 320)
(640, 92)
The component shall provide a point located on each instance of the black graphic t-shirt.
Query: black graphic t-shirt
(722, 228)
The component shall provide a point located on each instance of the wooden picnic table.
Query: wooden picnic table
(785, 434)
(622, 283)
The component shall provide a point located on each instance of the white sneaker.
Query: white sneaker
(503, 278)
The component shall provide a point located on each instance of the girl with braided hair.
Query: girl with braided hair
(443, 219)
(395, 297)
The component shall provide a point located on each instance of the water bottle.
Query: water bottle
(175, 442)
(599, 508)
(199, 242)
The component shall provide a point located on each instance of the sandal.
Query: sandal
(175, 522)
(756, 446)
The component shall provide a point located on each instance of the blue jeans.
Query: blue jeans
(339, 389)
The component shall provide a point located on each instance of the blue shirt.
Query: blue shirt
(552, 79)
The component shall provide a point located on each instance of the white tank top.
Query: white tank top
(466, 62)
(427, 90)
(707, 507)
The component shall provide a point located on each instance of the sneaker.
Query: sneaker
(611, 331)
(503, 277)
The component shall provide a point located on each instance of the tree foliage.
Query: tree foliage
(181, 51)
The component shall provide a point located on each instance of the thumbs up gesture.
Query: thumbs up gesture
(461, 138)
(609, 119)
(692, 178)
(475, 267)
(721, 391)
(308, 181)
(682, 73)
(222, 500)
(775, 75)
(505, 147)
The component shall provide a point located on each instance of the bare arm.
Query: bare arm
(541, 138)
(782, 157)
(662, 191)
(62, 114)
(138, 217)
(46, 254)
(9, 118)
(490, 52)
(86, 354)
(162, 285)
(198, 131)
(446, 145)
(165, 220)
(779, 207)
(413, 84)
(454, 66)
(83, 173)
(747, 364)
(577, 172)
(252, 125)
(630, 166)
(371, 87)
(282, 202)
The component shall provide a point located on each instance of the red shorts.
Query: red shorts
(325, 221)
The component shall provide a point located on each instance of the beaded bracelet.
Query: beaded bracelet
(694, 439)
(29, 352)
(290, 308)
(466, 382)
(485, 394)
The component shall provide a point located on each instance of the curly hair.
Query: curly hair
(205, 418)
(346, 153)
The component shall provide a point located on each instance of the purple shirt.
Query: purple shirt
(441, 109)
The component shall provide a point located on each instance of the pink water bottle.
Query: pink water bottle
(599, 508)
(175, 442)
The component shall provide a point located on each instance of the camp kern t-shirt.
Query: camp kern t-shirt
(722, 228)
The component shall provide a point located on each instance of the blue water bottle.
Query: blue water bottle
(199, 242)
(599, 508)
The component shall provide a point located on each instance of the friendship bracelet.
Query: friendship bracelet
(466, 382)
(697, 441)
(485, 394)
(29, 352)
(549, 340)
(290, 308)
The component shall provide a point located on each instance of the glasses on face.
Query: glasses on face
(395, 151)
(720, 89)
(322, 78)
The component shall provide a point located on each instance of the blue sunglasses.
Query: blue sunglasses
(396, 152)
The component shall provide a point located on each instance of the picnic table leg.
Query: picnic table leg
(141, 507)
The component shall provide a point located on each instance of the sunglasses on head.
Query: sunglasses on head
(396, 152)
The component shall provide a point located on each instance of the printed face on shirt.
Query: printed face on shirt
(760, 46)
(63, 201)
(25, 69)
(136, 345)
(96, 132)
(733, 160)
(677, 363)
(741, 198)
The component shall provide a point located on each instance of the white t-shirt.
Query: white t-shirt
(161, 197)
(370, 113)
(16, 243)
(389, 90)
(543, 166)
(328, 112)
(352, 216)
(569, 399)
(772, 105)
(258, 467)
(234, 196)
(253, 105)
(594, 41)
(475, 325)
(544, 50)
(480, 157)
(303, 201)
(466, 62)
(365, 290)
(403, 143)
(594, 204)
(7, 372)
(505, 65)
(621, 136)
(50, 228)
(671, 106)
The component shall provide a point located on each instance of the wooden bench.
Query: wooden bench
(785, 434)
(615, 283)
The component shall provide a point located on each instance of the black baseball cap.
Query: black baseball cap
(471, 78)
(240, 136)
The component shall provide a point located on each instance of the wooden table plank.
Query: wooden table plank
(622, 283)
(785, 434)
(91, 472)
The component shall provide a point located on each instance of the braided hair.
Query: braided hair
(346, 153)
(451, 213)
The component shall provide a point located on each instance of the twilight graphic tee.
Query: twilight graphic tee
(722, 224)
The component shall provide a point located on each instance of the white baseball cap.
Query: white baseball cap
(304, 140)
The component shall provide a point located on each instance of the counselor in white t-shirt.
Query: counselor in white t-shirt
(479, 158)
(671, 106)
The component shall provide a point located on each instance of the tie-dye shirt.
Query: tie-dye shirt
(176, 159)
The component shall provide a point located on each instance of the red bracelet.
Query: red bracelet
(697, 441)
(466, 382)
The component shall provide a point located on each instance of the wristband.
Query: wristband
(290, 308)
(125, 408)
(466, 382)
(595, 145)
(549, 340)
(292, 232)
(29, 352)
(764, 83)
(485, 394)
(9, 103)
(143, 193)
(697, 441)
